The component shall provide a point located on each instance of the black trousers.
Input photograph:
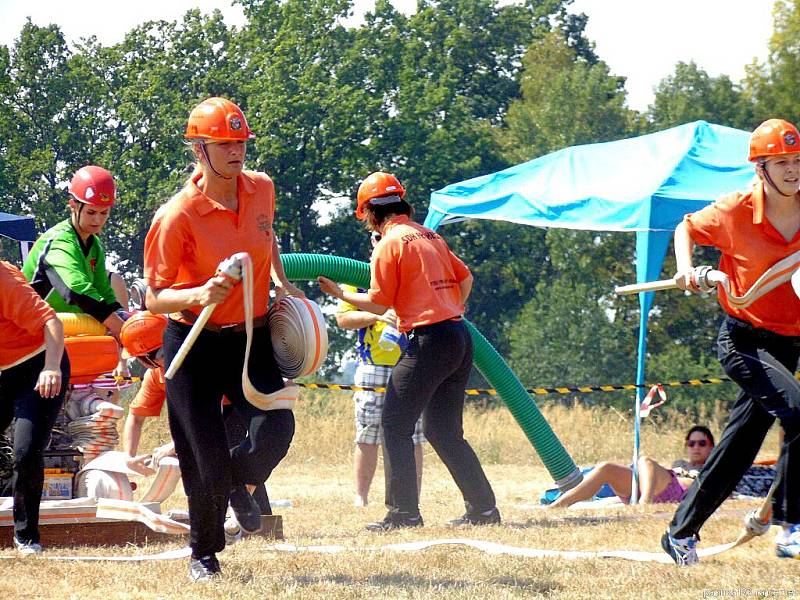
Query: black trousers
(762, 364)
(33, 418)
(430, 380)
(213, 368)
(236, 430)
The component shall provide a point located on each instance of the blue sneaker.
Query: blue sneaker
(682, 550)
(787, 544)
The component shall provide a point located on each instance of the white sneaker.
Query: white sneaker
(27, 548)
(233, 532)
(787, 544)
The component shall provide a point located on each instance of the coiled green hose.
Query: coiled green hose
(307, 267)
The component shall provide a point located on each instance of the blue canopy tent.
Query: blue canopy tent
(644, 184)
(21, 229)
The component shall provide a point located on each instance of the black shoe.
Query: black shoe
(394, 521)
(246, 509)
(488, 517)
(204, 568)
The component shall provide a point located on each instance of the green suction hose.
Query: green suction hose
(307, 267)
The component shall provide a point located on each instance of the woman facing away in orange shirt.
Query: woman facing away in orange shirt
(414, 272)
(34, 375)
(758, 345)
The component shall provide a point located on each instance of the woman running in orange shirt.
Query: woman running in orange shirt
(758, 345)
(222, 210)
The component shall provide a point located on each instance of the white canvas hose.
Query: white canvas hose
(299, 336)
(493, 548)
(304, 351)
(300, 342)
(707, 279)
(230, 268)
(107, 477)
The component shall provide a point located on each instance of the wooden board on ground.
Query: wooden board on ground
(118, 533)
(271, 527)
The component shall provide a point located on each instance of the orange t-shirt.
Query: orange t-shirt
(191, 234)
(151, 395)
(737, 225)
(23, 314)
(414, 271)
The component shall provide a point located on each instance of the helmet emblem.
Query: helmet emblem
(789, 138)
(236, 123)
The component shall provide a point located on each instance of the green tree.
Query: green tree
(566, 100)
(44, 98)
(312, 111)
(150, 82)
(689, 94)
(565, 337)
(772, 86)
(446, 76)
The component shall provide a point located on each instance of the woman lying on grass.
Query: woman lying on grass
(657, 484)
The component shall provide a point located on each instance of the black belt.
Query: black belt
(449, 321)
(759, 332)
(232, 328)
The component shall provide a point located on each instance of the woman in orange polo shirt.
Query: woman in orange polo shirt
(35, 372)
(415, 273)
(758, 345)
(221, 210)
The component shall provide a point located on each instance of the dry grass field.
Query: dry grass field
(317, 478)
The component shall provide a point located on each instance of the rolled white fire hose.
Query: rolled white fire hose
(299, 336)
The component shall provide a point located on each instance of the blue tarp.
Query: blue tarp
(22, 229)
(644, 184)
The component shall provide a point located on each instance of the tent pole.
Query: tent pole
(640, 378)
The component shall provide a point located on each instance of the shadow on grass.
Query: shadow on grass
(406, 581)
(582, 520)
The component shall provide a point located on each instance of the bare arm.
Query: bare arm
(132, 434)
(49, 382)
(465, 286)
(282, 284)
(167, 300)
(120, 290)
(684, 247)
(358, 299)
(355, 319)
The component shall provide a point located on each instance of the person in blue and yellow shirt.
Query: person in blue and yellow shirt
(376, 358)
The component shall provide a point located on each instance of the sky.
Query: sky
(641, 40)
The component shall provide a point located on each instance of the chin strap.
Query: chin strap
(768, 177)
(208, 161)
